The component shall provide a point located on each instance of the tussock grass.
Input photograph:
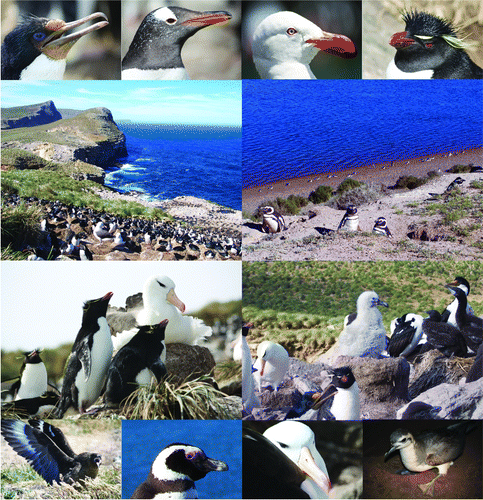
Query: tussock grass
(192, 399)
(53, 185)
(20, 226)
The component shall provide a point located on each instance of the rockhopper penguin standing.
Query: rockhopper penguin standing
(87, 365)
(136, 363)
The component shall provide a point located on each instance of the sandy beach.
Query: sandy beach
(386, 173)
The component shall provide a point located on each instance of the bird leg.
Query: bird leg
(428, 488)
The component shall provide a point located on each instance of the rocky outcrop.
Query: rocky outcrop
(91, 137)
(30, 116)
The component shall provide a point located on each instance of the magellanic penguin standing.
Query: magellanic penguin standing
(380, 227)
(285, 43)
(350, 221)
(155, 52)
(48, 452)
(36, 49)
(429, 48)
(175, 470)
(87, 365)
(136, 363)
(273, 222)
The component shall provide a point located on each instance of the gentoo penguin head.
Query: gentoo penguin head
(426, 43)
(400, 438)
(179, 460)
(95, 309)
(289, 37)
(369, 299)
(161, 288)
(35, 36)
(297, 441)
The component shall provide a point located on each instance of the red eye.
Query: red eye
(291, 31)
(429, 45)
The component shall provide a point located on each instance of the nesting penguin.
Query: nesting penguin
(297, 441)
(273, 222)
(341, 399)
(161, 302)
(37, 48)
(364, 334)
(155, 52)
(271, 365)
(48, 452)
(429, 449)
(175, 470)
(87, 365)
(350, 221)
(285, 43)
(249, 399)
(136, 363)
(429, 48)
(380, 227)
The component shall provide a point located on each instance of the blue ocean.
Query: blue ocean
(142, 440)
(168, 161)
(298, 128)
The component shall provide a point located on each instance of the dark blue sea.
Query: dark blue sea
(168, 161)
(142, 440)
(297, 128)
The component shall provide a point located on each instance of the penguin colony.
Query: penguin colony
(75, 233)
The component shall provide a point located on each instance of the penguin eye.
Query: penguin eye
(39, 36)
(171, 20)
(190, 455)
(291, 31)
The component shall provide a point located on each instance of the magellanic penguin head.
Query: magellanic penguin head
(94, 309)
(36, 35)
(180, 459)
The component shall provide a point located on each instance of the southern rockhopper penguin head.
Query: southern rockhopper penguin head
(35, 37)
(432, 43)
(95, 309)
(174, 471)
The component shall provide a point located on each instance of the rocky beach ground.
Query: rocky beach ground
(419, 230)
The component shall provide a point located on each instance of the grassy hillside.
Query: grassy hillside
(302, 305)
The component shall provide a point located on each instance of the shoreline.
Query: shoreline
(384, 173)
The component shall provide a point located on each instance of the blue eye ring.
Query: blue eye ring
(39, 36)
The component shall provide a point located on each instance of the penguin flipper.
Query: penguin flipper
(159, 370)
(84, 355)
(115, 387)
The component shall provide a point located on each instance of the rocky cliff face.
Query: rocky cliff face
(91, 137)
(30, 116)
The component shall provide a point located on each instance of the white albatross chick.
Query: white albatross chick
(271, 365)
(297, 441)
(365, 335)
(160, 303)
(285, 43)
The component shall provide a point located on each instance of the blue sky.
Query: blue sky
(215, 103)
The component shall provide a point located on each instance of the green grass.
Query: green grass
(20, 227)
(48, 185)
(456, 207)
